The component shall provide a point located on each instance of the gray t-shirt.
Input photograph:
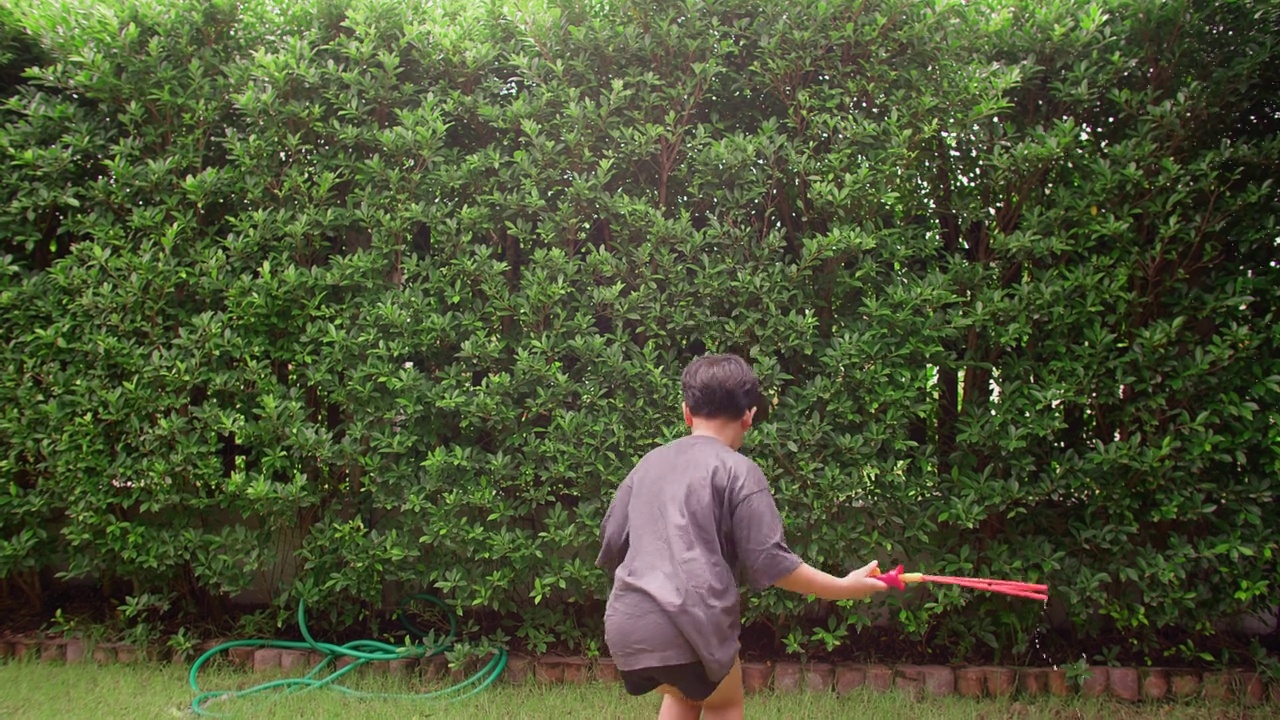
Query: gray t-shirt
(691, 519)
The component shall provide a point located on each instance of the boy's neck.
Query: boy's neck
(729, 433)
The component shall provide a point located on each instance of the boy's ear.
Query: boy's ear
(748, 418)
(688, 417)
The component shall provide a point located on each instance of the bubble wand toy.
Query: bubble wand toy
(899, 579)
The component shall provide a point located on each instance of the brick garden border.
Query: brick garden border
(1127, 684)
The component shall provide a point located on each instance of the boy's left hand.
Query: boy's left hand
(862, 583)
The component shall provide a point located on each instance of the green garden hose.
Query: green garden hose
(363, 651)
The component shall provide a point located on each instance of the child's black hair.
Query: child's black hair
(720, 387)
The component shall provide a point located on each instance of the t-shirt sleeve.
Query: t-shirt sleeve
(758, 536)
(615, 535)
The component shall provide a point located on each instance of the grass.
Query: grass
(30, 690)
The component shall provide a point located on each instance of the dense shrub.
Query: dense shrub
(353, 297)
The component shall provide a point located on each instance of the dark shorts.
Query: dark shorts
(690, 679)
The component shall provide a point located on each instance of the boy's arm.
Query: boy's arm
(615, 536)
(808, 580)
(763, 551)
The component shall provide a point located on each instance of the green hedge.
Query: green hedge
(356, 298)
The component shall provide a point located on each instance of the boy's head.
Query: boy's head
(721, 390)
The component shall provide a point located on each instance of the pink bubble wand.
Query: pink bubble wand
(899, 579)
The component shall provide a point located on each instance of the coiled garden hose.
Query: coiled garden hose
(363, 652)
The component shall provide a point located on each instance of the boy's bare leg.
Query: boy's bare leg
(724, 713)
(727, 702)
(728, 710)
(677, 708)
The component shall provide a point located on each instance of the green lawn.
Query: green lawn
(60, 692)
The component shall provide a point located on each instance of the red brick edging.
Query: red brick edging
(1122, 683)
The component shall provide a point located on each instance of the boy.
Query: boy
(689, 517)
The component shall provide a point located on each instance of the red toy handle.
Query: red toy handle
(893, 578)
(898, 579)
